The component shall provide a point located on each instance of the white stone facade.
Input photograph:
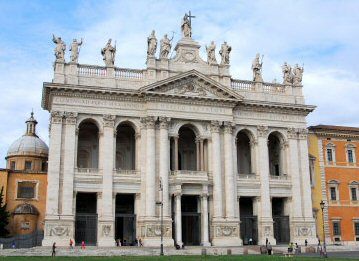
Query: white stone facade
(157, 102)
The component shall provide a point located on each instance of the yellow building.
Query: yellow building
(25, 181)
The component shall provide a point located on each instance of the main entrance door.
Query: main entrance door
(191, 221)
(86, 218)
(125, 219)
(249, 224)
(281, 229)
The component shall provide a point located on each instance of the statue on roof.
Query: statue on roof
(59, 49)
(75, 50)
(211, 53)
(224, 52)
(287, 74)
(165, 47)
(151, 44)
(257, 68)
(186, 26)
(298, 75)
(108, 53)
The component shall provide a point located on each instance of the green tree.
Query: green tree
(4, 215)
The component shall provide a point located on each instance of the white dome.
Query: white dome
(28, 145)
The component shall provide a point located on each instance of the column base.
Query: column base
(150, 232)
(106, 233)
(59, 229)
(226, 232)
(265, 232)
(303, 230)
(206, 244)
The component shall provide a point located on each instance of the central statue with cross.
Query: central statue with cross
(187, 25)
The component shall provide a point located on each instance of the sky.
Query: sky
(323, 35)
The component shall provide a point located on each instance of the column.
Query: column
(178, 219)
(106, 218)
(201, 154)
(294, 173)
(164, 162)
(53, 177)
(265, 224)
(175, 138)
(198, 159)
(228, 171)
(150, 167)
(142, 158)
(70, 150)
(52, 200)
(216, 170)
(204, 218)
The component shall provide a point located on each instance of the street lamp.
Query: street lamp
(322, 205)
(161, 204)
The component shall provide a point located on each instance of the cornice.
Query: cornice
(274, 107)
(331, 134)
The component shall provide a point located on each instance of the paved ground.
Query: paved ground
(337, 254)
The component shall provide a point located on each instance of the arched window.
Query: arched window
(276, 154)
(88, 145)
(244, 158)
(125, 147)
(187, 150)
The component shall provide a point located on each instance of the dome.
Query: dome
(29, 143)
(24, 209)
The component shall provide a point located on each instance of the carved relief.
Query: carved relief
(214, 126)
(108, 120)
(226, 231)
(292, 133)
(70, 117)
(155, 231)
(304, 231)
(303, 134)
(268, 231)
(262, 130)
(228, 127)
(56, 116)
(58, 230)
(164, 122)
(191, 88)
(106, 229)
(150, 122)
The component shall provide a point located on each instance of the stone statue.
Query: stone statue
(287, 74)
(151, 44)
(298, 75)
(108, 53)
(224, 52)
(186, 26)
(59, 49)
(257, 69)
(211, 53)
(165, 47)
(75, 50)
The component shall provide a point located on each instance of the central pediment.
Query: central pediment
(192, 84)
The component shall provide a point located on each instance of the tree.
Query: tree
(4, 215)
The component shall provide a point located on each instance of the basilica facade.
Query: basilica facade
(227, 159)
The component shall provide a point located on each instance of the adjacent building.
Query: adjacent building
(25, 182)
(227, 158)
(335, 180)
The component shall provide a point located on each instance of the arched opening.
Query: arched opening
(187, 150)
(88, 145)
(125, 147)
(275, 151)
(244, 158)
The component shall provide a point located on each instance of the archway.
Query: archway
(88, 145)
(244, 158)
(125, 147)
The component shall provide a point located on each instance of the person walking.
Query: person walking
(71, 244)
(269, 249)
(83, 245)
(53, 254)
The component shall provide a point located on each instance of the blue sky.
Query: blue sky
(322, 35)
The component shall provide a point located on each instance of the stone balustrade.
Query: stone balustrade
(91, 70)
(87, 170)
(184, 176)
(280, 177)
(129, 73)
(129, 172)
(247, 176)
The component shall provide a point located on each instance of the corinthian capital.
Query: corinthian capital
(303, 134)
(164, 122)
(108, 120)
(70, 117)
(292, 133)
(150, 122)
(228, 127)
(56, 116)
(262, 130)
(215, 126)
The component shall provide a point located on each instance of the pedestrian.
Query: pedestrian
(83, 245)
(296, 248)
(140, 241)
(71, 244)
(266, 241)
(250, 241)
(306, 242)
(53, 249)
(13, 246)
(269, 248)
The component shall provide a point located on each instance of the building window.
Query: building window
(330, 155)
(350, 156)
(26, 189)
(356, 228)
(336, 228)
(350, 149)
(354, 194)
(12, 165)
(28, 165)
(354, 189)
(44, 166)
(333, 193)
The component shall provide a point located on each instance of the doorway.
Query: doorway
(191, 221)
(125, 219)
(281, 227)
(249, 223)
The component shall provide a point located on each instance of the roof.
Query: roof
(333, 128)
(28, 145)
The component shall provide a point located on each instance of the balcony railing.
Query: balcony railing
(129, 172)
(244, 85)
(280, 177)
(87, 170)
(128, 73)
(247, 176)
(91, 70)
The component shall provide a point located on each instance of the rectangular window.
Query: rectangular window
(333, 193)
(356, 228)
(329, 154)
(12, 165)
(28, 165)
(44, 166)
(350, 156)
(336, 228)
(354, 194)
(26, 190)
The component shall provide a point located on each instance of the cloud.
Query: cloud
(321, 34)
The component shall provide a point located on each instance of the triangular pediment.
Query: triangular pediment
(192, 84)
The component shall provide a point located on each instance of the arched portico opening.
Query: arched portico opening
(244, 153)
(187, 150)
(276, 154)
(125, 147)
(88, 145)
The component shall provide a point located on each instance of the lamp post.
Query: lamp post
(161, 204)
(322, 205)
